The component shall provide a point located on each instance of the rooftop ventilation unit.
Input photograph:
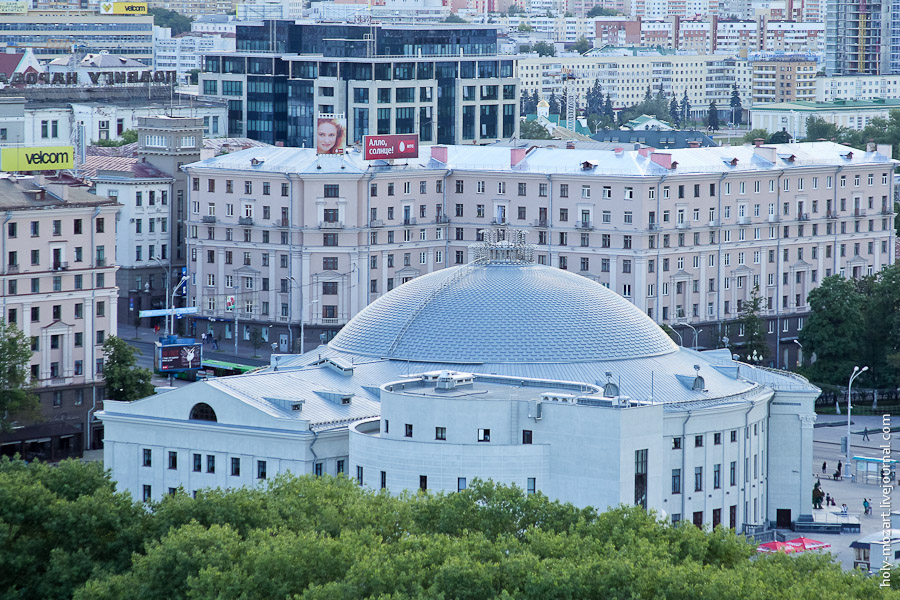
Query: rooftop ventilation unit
(449, 380)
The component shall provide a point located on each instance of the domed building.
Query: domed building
(500, 369)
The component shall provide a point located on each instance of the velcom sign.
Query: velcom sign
(49, 158)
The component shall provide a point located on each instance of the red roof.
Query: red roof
(9, 63)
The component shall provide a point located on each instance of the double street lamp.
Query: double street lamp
(856, 373)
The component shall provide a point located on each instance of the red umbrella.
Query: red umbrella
(778, 547)
(802, 543)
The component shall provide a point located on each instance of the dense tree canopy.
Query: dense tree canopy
(878, 130)
(855, 322)
(163, 17)
(124, 379)
(65, 533)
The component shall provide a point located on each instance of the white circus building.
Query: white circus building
(500, 369)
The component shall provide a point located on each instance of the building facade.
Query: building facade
(446, 84)
(625, 76)
(862, 37)
(792, 116)
(705, 438)
(686, 235)
(50, 33)
(183, 53)
(59, 288)
(784, 80)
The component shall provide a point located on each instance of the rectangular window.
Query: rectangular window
(526, 436)
(235, 466)
(676, 481)
(147, 457)
(440, 433)
(484, 435)
(198, 463)
(408, 430)
(261, 469)
(173, 459)
(698, 479)
(460, 484)
(640, 478)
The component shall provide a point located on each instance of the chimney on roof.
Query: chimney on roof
(758, 142)
(766, 153)
(663, 159)
(516, 155)
(439, 153)
(570, 145)
(870, 146)
(693, 144)
(645, 151)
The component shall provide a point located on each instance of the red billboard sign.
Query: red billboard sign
(180, 357)
(385, 147)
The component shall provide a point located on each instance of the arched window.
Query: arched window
(203, 412)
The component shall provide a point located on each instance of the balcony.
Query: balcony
(541, 223)
(281, 223)
(409, 221)
(713, 223)
(330, 225)
(100, 262)
(584, 225)
(245, 221)
(744, 220)
(208, 219)
(12, 269)
(859, 212)
(887, 211)
(653, 226)
(60, 266)
(442, 219)
(683, 225)
(376, 223)
(329, 321)
(831, 214)
(803, 217)
(773, 218)
(499, 222)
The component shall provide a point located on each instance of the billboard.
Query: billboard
(123, 8)
(229, 303)
(14, 7)
(331, 134)
(179, 357)
(48, 158)
(405, 145)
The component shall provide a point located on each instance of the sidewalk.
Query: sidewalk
(146, 336)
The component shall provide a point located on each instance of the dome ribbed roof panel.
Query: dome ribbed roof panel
(507, 313)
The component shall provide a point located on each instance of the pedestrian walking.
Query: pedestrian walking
(824, 467)
(866, 506)
(215, 343)
(840, 467)
(866, 434)
(203, 338)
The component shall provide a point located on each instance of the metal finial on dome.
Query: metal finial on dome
(505, 246)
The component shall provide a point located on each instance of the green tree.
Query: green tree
(543, 49)
(531, 130)
(754, 326)
(581, 45)
(599, 11)
(712, 117)
(818, 128)
(454, 18)
(755, 134)
(514, 10)
(779, 137)
(256, 340)
(554, 104)
(674, 113)
(129, 136)
(525, 27)
(737, 108)
(685, 108)
(17, 402)
(834, 329)
(169, 18)
(124, 379)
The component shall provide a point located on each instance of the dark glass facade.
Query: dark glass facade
(361, 71)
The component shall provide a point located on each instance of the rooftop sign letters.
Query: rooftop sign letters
(123, 8)
(48, 158)
(99, 78)
(14, 7)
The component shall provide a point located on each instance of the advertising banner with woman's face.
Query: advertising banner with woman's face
(330, 135)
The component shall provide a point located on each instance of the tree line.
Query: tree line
(600, 114)
(66, 533)
(854, 322)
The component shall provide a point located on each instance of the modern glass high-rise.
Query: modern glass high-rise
(447, 84)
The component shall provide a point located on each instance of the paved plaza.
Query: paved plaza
(827, 448)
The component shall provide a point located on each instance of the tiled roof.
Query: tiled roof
(137, 168)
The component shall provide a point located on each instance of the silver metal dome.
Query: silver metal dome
(502, 312)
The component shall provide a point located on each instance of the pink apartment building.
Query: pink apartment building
(277, 236)
(58, 286)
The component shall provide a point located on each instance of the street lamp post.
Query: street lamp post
(168, 269)
(171, 317)
(800, 353)
(856, 373)
(686, 324)
(311, 302)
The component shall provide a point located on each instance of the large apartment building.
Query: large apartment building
(625, 76)
(448, 84)
(784, 79)
(277, 236)
(59, 288)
